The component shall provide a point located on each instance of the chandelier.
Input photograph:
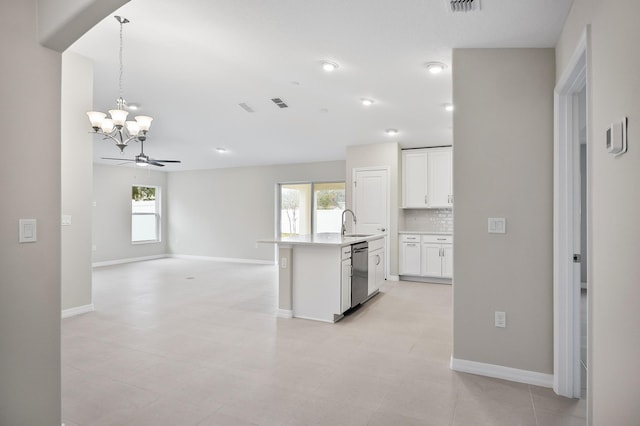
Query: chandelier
(117, 128)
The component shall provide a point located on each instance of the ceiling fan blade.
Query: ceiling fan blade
(118, 159)
(167, 161)
(155, 163)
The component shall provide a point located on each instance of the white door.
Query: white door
(439, 178)
(370, 200)
(431, 260)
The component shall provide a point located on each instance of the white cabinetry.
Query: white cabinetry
(427, 178)
(414, 178)
(376, 265)
(439, 178)
(426, 255)
(430, 260)
(437, 256)
(409, 255)
(345, 281)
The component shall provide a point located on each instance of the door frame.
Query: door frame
(566, 295)
(387, 239)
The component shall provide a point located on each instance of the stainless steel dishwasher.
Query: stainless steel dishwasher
(360, 276)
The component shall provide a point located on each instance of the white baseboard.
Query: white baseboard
(501, 372)
(393, 278)
(285, 313)
(128, 260)
(223, 259)
(430, 280)
(71, 312)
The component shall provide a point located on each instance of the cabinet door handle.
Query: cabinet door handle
(350, 270)
(377, 259)
(411, 244)
(425, 199)
(442, 239)
(441, 252)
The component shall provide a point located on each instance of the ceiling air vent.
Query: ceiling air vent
(246, 107)
(464, 5)
(280, 103)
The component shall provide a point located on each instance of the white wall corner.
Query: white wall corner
(285, 313)
(78, 310)
(501, 372)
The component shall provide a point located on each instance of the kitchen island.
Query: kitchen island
(315, 273)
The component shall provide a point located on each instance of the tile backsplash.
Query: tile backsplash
(426, 220)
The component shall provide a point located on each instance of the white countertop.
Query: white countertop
(324, 239)
(425, 232)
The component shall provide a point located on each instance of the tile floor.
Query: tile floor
(191, 342)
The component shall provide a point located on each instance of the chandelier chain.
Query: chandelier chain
(121, 67)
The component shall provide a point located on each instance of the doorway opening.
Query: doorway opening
(571, 236)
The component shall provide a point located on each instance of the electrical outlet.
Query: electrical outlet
(500, 319)
(284, 263)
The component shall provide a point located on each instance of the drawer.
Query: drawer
(438, 239)
(346, 252)
(376, 244)
(410, 238)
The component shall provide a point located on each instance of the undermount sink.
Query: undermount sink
(356, 235)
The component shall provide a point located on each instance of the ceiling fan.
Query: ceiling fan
(142, 159)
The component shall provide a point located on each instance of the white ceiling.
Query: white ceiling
(189, 63)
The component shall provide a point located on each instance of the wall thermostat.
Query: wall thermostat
(617, 137)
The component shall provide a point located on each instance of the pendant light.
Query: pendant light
(116, 127)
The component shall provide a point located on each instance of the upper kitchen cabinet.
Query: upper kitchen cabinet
(427, 178)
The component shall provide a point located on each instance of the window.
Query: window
(145, 214)
(307, 208)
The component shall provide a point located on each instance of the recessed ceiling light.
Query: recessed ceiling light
(435, 67)
(329, 66)
(448, 107)
(391, 132)
(367, 102)
(221, 150)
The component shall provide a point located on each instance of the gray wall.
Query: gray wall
(374, 155)
(503, 167)
(112, 211)
(223, 212)
(30, 188)
(77, 176)
(614, 270)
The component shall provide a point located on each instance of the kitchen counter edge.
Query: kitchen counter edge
(322, 240)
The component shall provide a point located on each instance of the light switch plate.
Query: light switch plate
(497, 225)
(500, 319)
(27, 232)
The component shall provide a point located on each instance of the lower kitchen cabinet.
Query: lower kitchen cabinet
(376, 265)
(431, 260)
(447, 260)
(345, 282)
(409, 255)
(426, 255)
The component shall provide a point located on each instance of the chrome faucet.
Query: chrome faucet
(344, 227)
